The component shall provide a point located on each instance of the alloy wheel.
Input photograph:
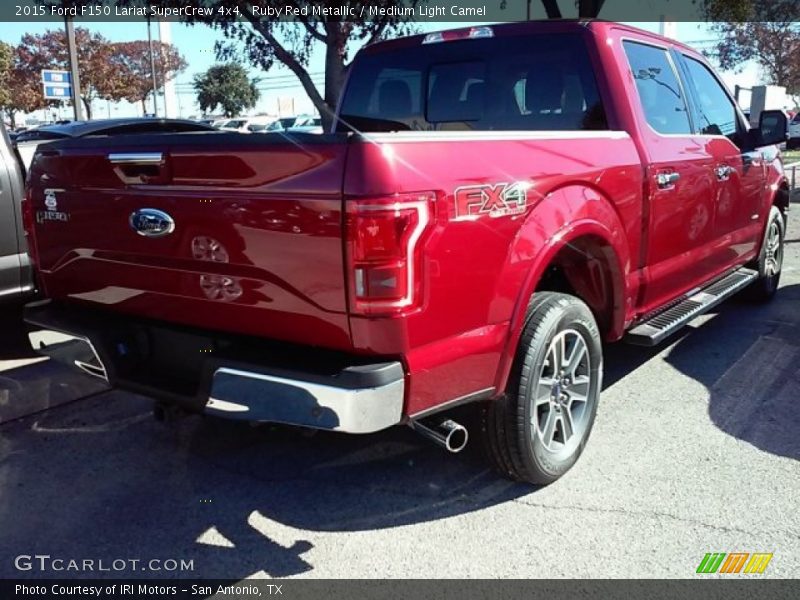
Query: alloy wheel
(774, 251)
(560, 403)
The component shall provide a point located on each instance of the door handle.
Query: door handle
(723, 172)
(667, 179)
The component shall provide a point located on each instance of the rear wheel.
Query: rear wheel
(538, 429)
(770, 259)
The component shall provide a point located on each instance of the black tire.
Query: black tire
(521, 429)
(770, 259)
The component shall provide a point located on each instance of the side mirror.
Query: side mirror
(772, 127)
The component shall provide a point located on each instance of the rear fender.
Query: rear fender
(777, 193)
(579, 215)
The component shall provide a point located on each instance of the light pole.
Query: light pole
(152, 69)
(73, 66)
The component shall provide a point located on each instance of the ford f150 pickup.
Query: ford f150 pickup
(492, 204)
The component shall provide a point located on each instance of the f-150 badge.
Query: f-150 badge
(493, 200)
(52, 213)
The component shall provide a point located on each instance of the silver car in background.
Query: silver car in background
(16, 275)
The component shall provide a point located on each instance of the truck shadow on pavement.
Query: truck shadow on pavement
(100, 478)
(747, 357)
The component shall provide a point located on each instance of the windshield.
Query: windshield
(235, 123)
(541, 82)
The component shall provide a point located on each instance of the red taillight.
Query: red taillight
(385, 260)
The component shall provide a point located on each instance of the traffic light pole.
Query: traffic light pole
(73, 67)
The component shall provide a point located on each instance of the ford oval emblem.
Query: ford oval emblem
(151, 222)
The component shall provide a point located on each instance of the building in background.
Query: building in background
(286, 106)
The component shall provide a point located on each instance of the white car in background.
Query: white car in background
(248, 124)
(307, 125)
(302, 123)
(281, 124)
(215, 123)
(794, 133)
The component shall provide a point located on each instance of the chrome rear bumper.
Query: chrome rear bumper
(346, 397)
(243, 394)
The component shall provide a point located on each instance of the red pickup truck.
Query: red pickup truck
(493, 205)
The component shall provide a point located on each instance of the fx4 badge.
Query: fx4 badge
(493, 200)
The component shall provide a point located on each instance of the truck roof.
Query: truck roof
(597, 26)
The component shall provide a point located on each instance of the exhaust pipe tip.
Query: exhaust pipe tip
(448, 434)
(456, 437)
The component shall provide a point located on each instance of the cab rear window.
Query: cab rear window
(542, 82)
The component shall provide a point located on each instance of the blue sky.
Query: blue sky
(197, 46)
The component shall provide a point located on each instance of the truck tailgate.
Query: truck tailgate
(226, 231)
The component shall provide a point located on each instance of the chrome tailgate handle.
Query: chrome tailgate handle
(136, 158)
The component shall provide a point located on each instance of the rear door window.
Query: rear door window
(659, 89)
(542, 82)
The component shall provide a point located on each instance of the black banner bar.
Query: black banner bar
(421, 11)
(744, 588)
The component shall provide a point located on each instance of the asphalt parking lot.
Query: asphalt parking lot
(696, 449)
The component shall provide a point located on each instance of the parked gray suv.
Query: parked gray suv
(16, 276)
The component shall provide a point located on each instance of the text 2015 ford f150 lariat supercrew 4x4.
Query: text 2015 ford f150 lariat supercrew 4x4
(495, 202)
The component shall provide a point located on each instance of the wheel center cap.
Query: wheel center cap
(558, 391)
